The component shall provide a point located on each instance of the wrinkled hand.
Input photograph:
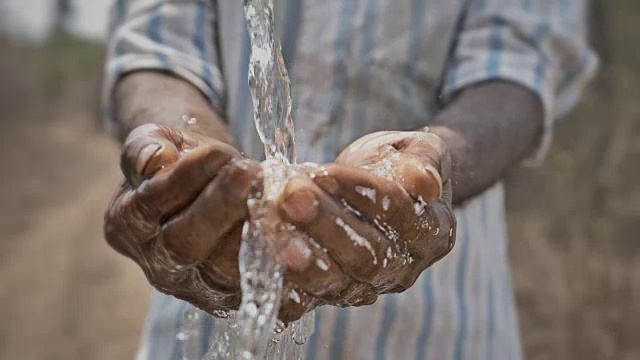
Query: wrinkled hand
(179, 213)
(379, 216)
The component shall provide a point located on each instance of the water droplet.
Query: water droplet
(386, 202)
(420, 206)
(366, 192)
(293, 295)
(260, 267)
(348, 207)
(357, 238)
(322, 264)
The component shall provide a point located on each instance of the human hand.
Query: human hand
(180, 211)
(379, 216)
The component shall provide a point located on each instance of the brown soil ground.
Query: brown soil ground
(64, 294)
(574, 223)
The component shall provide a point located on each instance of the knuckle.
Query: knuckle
(133, 216)
(118, 227)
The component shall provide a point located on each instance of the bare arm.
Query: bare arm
(145, 97)
(515, 69)
(488, 128)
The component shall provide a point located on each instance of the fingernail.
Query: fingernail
(435, 178)
(144, 164)
(419, 180)
(328, 184)
(298, 254)
(300, 206)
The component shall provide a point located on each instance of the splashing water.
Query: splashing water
(249, 332)
(189, 333)
(269, 83)
(261, 266)
(253, 331)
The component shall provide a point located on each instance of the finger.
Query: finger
(420, 160)
(295, 303)
(193, 234)
(148, 149)
(151, 148)
(440, 236)
(138, 212)
(320, 277)
(298, 252)
(356, 246)
(407, 223)
(221, 269)
(186, 283)
(377, 199)
(447, 193)
(430, 149)
(360, 151)
(422, 181)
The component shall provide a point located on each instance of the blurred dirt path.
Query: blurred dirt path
(64, 293)
(575, 223)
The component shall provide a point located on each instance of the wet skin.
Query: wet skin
(180, 210)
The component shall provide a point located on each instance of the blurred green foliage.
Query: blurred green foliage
(67, 58)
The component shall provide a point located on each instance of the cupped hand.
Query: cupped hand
(179, 213)
(376, 218)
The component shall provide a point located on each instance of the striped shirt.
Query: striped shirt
(359, 66)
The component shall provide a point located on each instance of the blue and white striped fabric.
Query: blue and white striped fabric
(359, 66)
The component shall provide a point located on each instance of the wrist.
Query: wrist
(150, 97)
(452, 138)
(454, 142)
(488, 128)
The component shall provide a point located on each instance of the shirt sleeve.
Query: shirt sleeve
(176, 36)
(541, 45)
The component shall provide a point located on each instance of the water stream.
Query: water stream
(251, 332)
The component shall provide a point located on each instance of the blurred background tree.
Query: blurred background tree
(66, 57)
(62, 17)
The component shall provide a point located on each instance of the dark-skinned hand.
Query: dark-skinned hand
(179, 215)
(378, 216)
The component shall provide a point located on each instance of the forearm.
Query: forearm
(145, 97)
(488, 129)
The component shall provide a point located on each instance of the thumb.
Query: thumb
(420, 180)
(149, 149)
(431, 150)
